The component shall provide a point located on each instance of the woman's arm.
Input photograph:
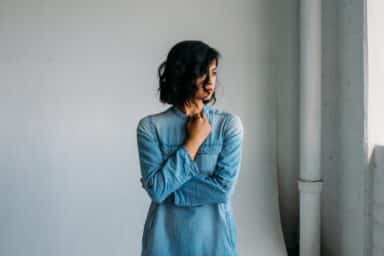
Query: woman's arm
(216, 188)
(161, 177)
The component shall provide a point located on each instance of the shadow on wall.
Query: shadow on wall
(376, 201)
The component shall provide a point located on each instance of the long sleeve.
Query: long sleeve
(161, 177)
(217, 187)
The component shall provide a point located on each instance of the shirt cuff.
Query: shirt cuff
(191, 164)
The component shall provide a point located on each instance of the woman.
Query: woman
(189, 158)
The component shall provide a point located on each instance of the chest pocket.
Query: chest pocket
(207, 156)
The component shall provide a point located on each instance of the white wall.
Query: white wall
(375, 21)
(285, 78)
(76, 76)
(375, 36)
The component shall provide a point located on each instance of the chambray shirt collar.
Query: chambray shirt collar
(182, 115)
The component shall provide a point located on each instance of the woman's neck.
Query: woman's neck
(190, 109)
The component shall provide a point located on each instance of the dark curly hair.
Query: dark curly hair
(186, 61)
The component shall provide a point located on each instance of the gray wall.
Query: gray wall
(376, 202)
(76, 76)
(344, 162)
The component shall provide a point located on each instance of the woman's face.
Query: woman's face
(206, 93)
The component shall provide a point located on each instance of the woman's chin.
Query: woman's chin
(207, 98)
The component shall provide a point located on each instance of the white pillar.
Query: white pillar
(310, 182)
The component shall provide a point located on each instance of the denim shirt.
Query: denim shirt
(190, 212)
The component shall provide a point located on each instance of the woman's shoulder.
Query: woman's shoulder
(228, 119)
(148, 120)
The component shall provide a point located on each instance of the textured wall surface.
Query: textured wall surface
(377, 202)
(344, 129)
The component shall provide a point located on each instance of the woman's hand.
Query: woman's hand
(198, 128)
